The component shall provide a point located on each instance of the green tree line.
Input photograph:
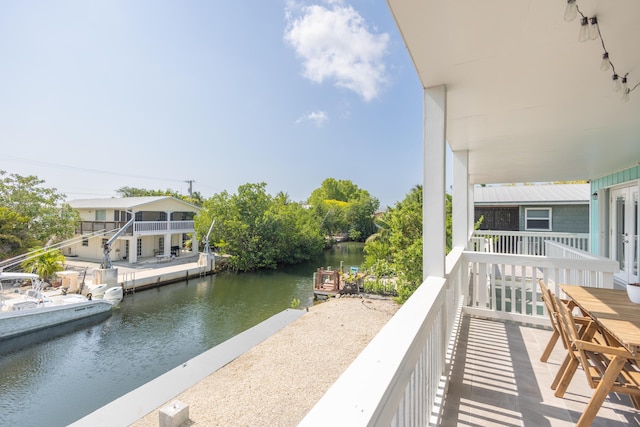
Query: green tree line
(257, 230)
(31, 215)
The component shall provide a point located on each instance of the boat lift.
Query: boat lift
(207, 260)
(106, 259)
(207, 248)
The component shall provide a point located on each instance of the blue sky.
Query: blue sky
(99, 95)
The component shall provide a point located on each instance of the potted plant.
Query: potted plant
(633, 290)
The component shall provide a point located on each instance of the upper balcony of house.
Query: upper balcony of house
(153, 215)
(144, 227)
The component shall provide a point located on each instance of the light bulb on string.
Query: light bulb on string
(583, 36)
(594, 31)
(624, 85)
(625, 95)
(605, 64)
(616, 83)
(571, 12)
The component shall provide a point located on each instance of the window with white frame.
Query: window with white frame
(121, 216)
(101, 215)
(538, 219)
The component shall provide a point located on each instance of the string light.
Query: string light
(594, 30)
(571, 12)
(583, 36)
(590, 30)
(605, 65)
(616, 83)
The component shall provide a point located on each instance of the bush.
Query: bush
(380, 286)
(405, 290)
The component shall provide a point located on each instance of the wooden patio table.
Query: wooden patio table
(612, 310)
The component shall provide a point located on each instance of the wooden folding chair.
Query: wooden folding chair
(549, 301)
(585, 324)
(607, 367)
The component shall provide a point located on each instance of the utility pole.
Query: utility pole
(190, 182)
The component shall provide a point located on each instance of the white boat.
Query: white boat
(34, 309)
(106, 292)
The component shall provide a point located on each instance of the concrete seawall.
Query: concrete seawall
(138, 281)
(144, 275)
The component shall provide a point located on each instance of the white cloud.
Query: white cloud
(318, 117)
(335, 44)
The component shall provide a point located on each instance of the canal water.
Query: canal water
(56, 377)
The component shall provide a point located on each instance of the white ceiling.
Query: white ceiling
(526, 98)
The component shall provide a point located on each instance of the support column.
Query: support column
(168, 242)
(167, 245)
(433, 187)
(133, 249)
(462, 198)
(195, 245)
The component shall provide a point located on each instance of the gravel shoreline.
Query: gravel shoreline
(278, 381)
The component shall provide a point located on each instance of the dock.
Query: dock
(146, 274)
(330, 283)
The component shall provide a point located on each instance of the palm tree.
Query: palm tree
(45, 262)
(384, 230)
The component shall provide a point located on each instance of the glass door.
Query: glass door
(624, 232)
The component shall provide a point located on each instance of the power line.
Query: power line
(55, 165)
(98, 171)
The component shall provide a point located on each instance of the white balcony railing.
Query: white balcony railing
(524, 242)
(505, 286)
(400, 377)
(159, 227)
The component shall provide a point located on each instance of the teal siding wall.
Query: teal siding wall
(627, 175)
(571, 219)
(564, 219)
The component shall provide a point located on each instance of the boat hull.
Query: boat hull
(18, 322)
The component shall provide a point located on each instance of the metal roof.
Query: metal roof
(532, 194)
(123, 202)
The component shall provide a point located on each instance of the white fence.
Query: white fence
(524, 242)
